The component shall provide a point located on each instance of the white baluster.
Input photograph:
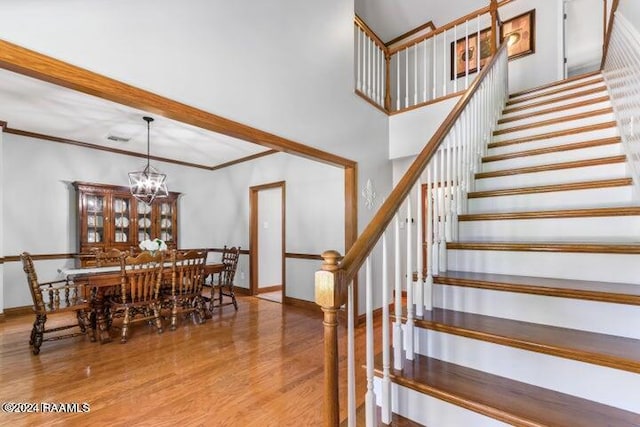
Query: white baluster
(351, 357)
(454, 61)
(424, 70)
(410, 321)
(435, 252)
(434, 48)
(449, 194)
(397, 325)
(398, 81)
(428, 285)
(479, 57)
(466, 65)
(369, 397)
(370, 86)
(442, 257)
(386, 371)
(415, 74)
(359, 59)
(419, 250)
(444, 63)
(406, 77)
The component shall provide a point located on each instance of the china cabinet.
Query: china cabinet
(110, 217)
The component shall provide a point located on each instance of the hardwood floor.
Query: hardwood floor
(259, 366)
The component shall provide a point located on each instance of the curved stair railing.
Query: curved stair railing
(446, 165)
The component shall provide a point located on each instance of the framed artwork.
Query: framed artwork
(463, 53)
(519, 33)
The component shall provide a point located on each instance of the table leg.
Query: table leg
(101, 321)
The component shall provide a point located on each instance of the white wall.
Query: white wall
(410, 131)
(283, 66)
(584, 35)
(631, 10)
(545, 65)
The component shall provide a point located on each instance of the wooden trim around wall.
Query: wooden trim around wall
(17, 311)
(265, 289)
(312, 257)
(3, 125)
(351, 225)
(307, 305)
(243, 159)
(33, 64)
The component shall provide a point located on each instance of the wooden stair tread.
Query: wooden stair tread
(556, 83)
(522, 98)
(559, 213)
(573, 247)
(563, 119)
(557, 109)
(509, 110)
(552, 149)
(553, 166)
(548, 135)
(502, 398)
(600, 349)
(585, 185)
(621, 293)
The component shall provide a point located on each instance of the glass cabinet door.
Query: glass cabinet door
(121, 208)
(166, 221)
(95, 206)
(143, 222)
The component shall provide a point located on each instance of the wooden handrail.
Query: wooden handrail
(358, 253)
(368, 31)
(605, 48)
(446, 27)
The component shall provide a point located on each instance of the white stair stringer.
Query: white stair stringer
(602, 267)
(593, 382)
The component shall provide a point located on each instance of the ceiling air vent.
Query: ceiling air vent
(118, 138)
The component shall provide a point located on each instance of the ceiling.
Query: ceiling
(391, 18)
(35, 106)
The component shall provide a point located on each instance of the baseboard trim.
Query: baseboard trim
(269, 289)
(17, 311)
(304, 304)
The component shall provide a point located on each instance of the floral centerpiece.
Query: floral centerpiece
(153, 245)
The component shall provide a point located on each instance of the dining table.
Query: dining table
(99, 282)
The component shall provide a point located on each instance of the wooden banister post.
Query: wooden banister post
(493, 9)
(329, 295)
(387, 83)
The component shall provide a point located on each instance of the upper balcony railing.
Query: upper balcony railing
(435, 65)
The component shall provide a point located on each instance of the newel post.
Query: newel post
(493, 9)
(330, 296)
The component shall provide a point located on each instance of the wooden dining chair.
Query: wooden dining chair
(60, 296)
(187, 277)
(109, 257)
(224, 285)
(138, 299)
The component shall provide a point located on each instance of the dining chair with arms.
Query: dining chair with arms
(51, 298)
(224, 285)
(109, 257)
(138, 299)
(187, 277)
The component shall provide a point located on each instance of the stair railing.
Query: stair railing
(622, 75)
(447, 164)
(435, 65)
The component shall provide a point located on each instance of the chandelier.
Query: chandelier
(148, 184)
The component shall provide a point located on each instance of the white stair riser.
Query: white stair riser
(552, 105)
(555, 96)
(606, 150)
(558, 86)
(607, 171)
(429, 411)
(620, 268)
(590, 229)
(535, 119)
(601, 118)
(598, 383)
(612, 319)
(573, 199)
(555, 141)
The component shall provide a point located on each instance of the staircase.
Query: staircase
(536, 321)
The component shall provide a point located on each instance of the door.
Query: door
(267, 238)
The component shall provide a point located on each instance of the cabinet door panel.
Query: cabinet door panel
(94, 228)
(120, 220)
